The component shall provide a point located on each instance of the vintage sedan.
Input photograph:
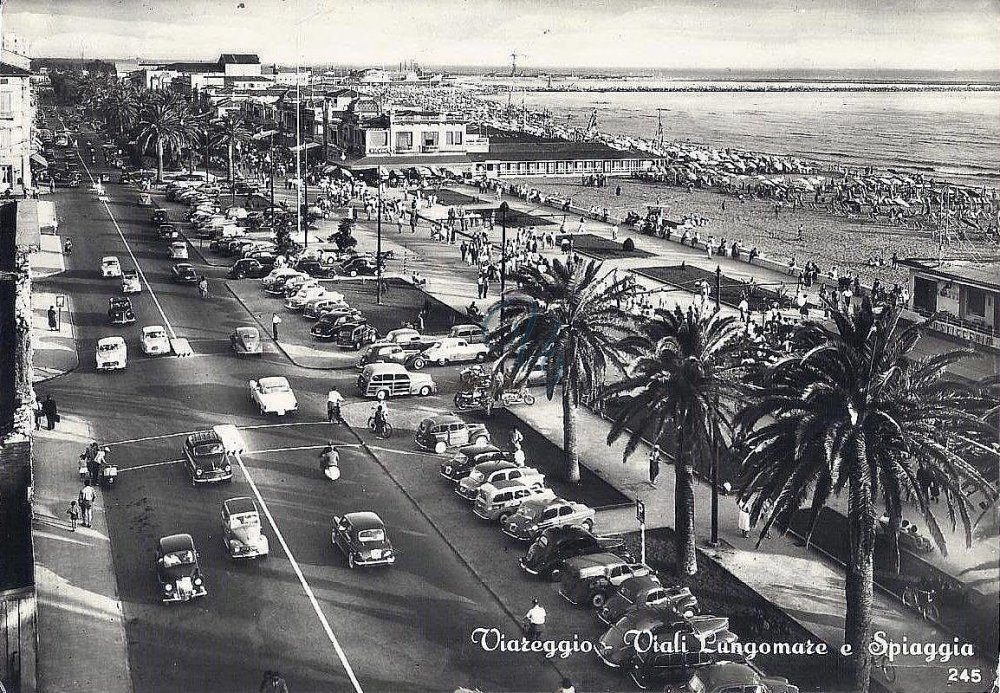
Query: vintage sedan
(360, 265)
(111, 354)
(593, 578)
(362, 538)
(294, 285)
(382, 352)
(450, 350)
(662, 669)
(724, 677)
(534, 517)
(494, 473)
(184, 273)
(245, 341)
(356, 333)
(120, 310)
(249, 267)
(206, 458)
(546, 554)
(110, 267)
(274, 282)
(167, 232)
(178, 250)
(315, 307)
(273, 395)
(460, 464)
(298, 300)
(662, 625)
(241, 529)
(155, 340)
(130, 282)
(328, 327)
(442, 431)
(177, 570)
(498, 501)
(646, 590)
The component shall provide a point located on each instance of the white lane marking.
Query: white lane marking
(128, 248)
(407, 452)
(246, 452)
(242, 428)
(302, 579)
(147, 466)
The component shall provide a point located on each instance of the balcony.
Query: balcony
(429, 148)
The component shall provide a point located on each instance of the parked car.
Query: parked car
(111, 354)
(273, 395)
(662, 669)
(315, 268)
(381, 352)
(494, 473)
(130, 282)
(533, 518)
(249, 268)
(546, 554)
(295, 284)
(298, 300)
(593, 578)
(327, 328)
(723, 677)
(450, 350)
(498, 501)
(646, 590)
(274, 283)
(408, 336)
(460, 464)
(177, 570)
(360, 265)
(356, 334)
(473, 334)
(382, 380)
(184, 273)
(245, 341)
(660, 624)
(241, 529)
(120, 310)
(110, 267)
(206, 458)
(154, 340)
(362, 538)
(315, 307)
(442, 431)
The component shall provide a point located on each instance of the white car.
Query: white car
(315, 307)
(273, 395)
(155, 340)
(403, 335)
(110, 267)
(130, 282)
(112, 354)
(450, 350)
(178, 250)
(298, 300)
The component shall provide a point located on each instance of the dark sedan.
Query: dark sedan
(547, 553)
(120, 311)
(362, 538)
(361, 265)
(206, 459)
(177, 569)
(184, 273)
(251, 268)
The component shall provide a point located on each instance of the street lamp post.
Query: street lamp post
(270, 135)
(378, 238)
(715, 429)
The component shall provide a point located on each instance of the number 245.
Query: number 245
(966, 675)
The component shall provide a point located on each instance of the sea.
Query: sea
(950, 135)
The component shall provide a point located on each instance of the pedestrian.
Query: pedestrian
(53, 325)
(275, 321)
(534, 621)
(614, 232)
(74, 515)
(654, 465)
(480, 280)
(744, 307)
(39, 412)
(566, 686)
(420, 321)
(86, 500)
(799, 238)
(334, 400)
(272, 682)
(51, 412)
(94, 462)
(744, 519)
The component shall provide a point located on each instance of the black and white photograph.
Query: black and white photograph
(499, 346)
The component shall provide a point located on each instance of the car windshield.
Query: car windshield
(274, 387)
(209, 449)
(476, 475)
(109, 263)
(158, 334)
(371, 535)
(244, 520)
(178, 558)
(107, 347)
(530, 511)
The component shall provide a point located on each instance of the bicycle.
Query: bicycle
(384, 431)
(880, 662)
(921, 600)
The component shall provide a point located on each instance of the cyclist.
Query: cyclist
(203, 287)
(380, 414)
(334, 400)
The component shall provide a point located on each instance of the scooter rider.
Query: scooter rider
(333, 402)
(329, 457)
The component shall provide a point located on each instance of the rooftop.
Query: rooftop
(8, 70)
(239, 59)
(985, 275)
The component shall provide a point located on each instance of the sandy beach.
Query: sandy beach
(827, 240)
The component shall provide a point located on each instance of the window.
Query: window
(976, 302)
(378, 138)
(404, 141)
(5, 103)
(429, 138)
(453, 137)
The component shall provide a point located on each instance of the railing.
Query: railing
(428, 148)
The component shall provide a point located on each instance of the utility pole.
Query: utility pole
(714, 541)
(503, 259)
(378, 237)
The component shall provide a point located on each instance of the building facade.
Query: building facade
(17, 111)
(964, 294)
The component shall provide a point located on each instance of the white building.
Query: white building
(17, 110)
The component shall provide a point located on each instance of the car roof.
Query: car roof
(365, 520)
(441, 419)
(594, 559)
(273, 380)
(108, 258)
(176, 542)
(474, 450)
(237, 506)
(648, 617)
(494, 465)
(642, 583)
(130, 272)
(111, 340)
(204, 437)
(385, 368)
(184, 265)
(247, 330)
(727, 673)
(153, 328)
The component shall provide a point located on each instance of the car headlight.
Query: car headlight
(198, 581)
(198, 472)
(447, 470)
(228, 468)
(168, 587)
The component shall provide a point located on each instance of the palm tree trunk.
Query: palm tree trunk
(858, 588)
(159, 160)
(572, 455)
(687, 554)
(230, 171)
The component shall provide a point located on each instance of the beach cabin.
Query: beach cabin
(964, 293)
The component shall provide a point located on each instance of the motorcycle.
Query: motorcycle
(108, 475)
(510, 397)
(329, 465)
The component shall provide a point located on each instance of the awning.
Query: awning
(40, 160)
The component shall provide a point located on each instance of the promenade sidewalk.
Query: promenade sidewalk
(81, 633)
(806, 586)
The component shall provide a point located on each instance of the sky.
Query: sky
(677, 34)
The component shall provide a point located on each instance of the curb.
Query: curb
(446, 540)
(69, 320)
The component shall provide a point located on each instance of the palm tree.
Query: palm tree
(163, 126)
(569, 317)
(687, 387)
(851, 410)
(231, 132)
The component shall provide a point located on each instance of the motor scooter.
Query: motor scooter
(108, 475)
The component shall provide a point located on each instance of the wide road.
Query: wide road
(303, 612)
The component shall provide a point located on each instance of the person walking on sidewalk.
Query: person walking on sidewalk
(53, 324)
(654, 465)
(39, 412)
(87, 498)
(744, 518)
(51, 412)
(275, 321)
(74, 515)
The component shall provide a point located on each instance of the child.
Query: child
(74, 515)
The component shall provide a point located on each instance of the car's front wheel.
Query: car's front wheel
(418, 364)
(480, 357)
(350, 561)
(589, 525)
(597, 600)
